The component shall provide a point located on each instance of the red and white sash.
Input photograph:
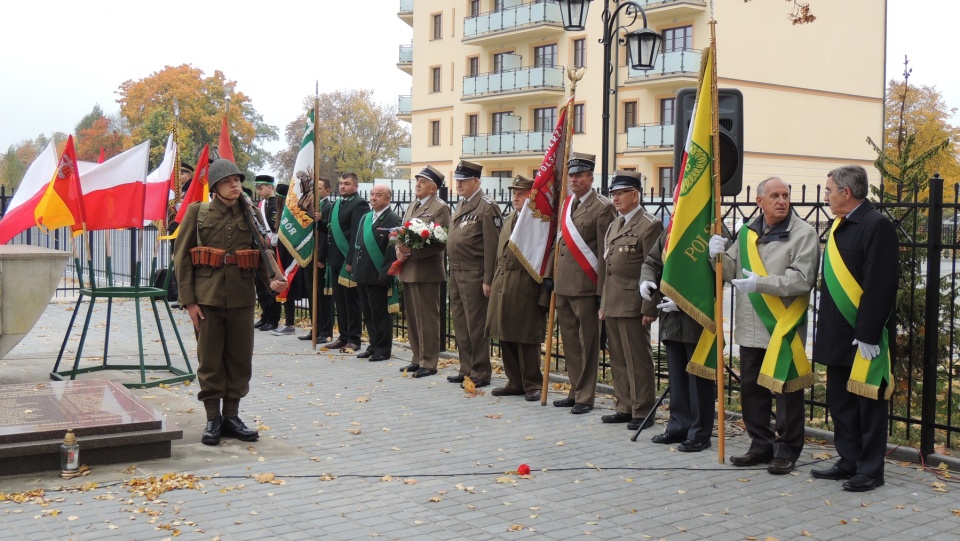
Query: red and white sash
(582, 253)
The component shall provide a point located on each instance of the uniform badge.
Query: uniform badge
(497, 222)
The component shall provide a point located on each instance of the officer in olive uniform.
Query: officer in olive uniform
(221, 301)
(472, 251)
(270, 214)
(422, 276)
(515, 315)
(627, 316)
(372, 259)
(578, 293)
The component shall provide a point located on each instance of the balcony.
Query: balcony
(404, 156)
(518, 142)
(405, 107)
(671, 9)
(650, 137)
(405, 63)
(544, 81)
(670, 68)
(527, 21)
(406, 12)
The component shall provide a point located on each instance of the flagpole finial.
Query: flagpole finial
(575, 74)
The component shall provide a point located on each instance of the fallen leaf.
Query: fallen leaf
(493, 415)
(264, 477)
(515, 528)
(363, 399)
(353, 431)
(435, 499)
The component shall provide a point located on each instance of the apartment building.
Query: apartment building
(488, 78)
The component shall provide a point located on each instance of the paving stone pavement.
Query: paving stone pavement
(359, 451)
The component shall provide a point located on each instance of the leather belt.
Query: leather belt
(229, 259)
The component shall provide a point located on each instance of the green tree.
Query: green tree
(14, 163)
(87, 121)
(353, 134)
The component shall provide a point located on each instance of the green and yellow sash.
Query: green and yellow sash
(867, 375)
(377, 257)
(703, 363)
(785, 367)
(345, 279)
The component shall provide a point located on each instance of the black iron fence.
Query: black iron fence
(925, 408)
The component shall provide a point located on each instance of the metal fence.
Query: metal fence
(925, 410)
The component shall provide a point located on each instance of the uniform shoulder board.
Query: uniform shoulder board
(650, 217)
(489, 200)
(604, 199)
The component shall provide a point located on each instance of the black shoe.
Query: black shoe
(309, 336)
(233, 427)
(749, 459)
(532, 396)
(616, 418)
(862, 483)
(667, 438)
(455, 379)
(564, 403)
(349, 348)
(578, 409)
(377, 357)
(410, 368)
(269, 327)
(211, 434)
(335, 344)
(691, 446)
(780, 466)
(476, 384)
(259, 324)
(364, 355)
(832, 474)
(506, 391)
(634, 423)
(424, 372)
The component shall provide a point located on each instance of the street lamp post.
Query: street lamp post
(642, 48)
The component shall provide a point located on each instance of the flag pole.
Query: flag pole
(316, 207)
(717, 230)
(574, 75)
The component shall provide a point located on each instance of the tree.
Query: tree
(147, 107)
(87, 121)
(99, 135)
(353, 133)
(14, 163)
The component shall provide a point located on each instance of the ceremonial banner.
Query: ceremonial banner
(296, 227)
(113, 191)
(62, 202)
(224, 147)
(20, 214)
(199, 190)
(158, 194)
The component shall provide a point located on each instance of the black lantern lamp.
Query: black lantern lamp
(643, 45)
(574, 14)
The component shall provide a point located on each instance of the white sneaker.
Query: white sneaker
(284, 330)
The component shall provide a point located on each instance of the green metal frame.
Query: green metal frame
(137, 292)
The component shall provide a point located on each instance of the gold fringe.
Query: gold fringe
(328, 291)
(702, 371)
(770, 382)
(346, 283)
(867, 390)
(393, 308)
(688, 308)
(802, 382)
(526, 264)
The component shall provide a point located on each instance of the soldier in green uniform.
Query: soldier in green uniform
(220, 297)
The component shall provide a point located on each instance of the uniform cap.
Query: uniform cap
(626, 180)
(430, 173)
(521, 182)
(263, 179)
(581, 162)
(467, 169)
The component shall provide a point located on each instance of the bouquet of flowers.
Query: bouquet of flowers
(415, 234)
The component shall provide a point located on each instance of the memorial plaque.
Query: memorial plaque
(44, 411)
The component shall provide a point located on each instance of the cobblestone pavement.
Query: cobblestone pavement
(357, 450)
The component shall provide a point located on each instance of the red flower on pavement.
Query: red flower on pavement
(523, 469)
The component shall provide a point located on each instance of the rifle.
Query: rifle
(273, 269)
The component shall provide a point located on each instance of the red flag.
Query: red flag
(224, 148)
(20, 214)
(158, 193)
(198, 190)
(62, 203)
(103, 156)
(113, 192)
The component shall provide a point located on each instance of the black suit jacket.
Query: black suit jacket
(352, 210)
(867, 242)
(364, 271)
(320, 228)
(271, 210)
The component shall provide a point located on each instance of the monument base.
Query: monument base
(111, 424)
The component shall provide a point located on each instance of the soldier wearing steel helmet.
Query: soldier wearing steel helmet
(219, 294)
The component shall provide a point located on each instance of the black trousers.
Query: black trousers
(692, 399)
(859, 425)
(269, 307)
(757, 401)
(377, 318)
(325, 315)
(347, 300)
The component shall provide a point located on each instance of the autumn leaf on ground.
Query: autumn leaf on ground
(363, 399)
(386, 478)
(410, 481)
(264, 477)
(506, 480)
(515, 528)
(327, 477)
(822, 455)
(354, 431)
(493, 415)
(435, 499)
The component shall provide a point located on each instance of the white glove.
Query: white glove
(273, 239)
(867, 351)
(646, 289)
(746, 285)
(668, 305)
(717, 245)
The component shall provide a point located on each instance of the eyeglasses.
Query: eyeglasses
(828, 191)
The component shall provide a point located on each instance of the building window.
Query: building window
(578, 118)
(435, 77)
(579, 53)
(434, 133)
(474, 8)
(668, 110)
(544, 119)
(496, 121)
(545, 56)
(473, 66)
(506, 174)
(629, 114)
(666, 184)
(677, 39)
(498, 61)
(438, 26)
(473, 125)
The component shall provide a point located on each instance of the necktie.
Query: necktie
(416, 206)
(621, 221)
(573, 207)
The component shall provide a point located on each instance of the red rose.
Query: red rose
(523, 469)
(425, 234)
(408, 224)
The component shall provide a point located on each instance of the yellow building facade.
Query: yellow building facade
(488, 78)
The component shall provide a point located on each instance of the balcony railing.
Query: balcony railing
(506, 143)
(512, 18)
(406, 6)
(653, 4)
(513, 80)
(673, 62)
(404, 155)
(405, 105)
(650, 136)
(406, 54)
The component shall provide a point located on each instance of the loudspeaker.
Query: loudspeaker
(730, 109)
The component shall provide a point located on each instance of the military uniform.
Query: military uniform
(373, 282)
(346, 298)
(626, 245)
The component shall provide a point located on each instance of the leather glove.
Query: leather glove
(717, 245)
(668, 305)
(746, 285)
(548, 283)
(867, 351)
(646, 289)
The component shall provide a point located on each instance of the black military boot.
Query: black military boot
(233, 427)
(211, 434)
